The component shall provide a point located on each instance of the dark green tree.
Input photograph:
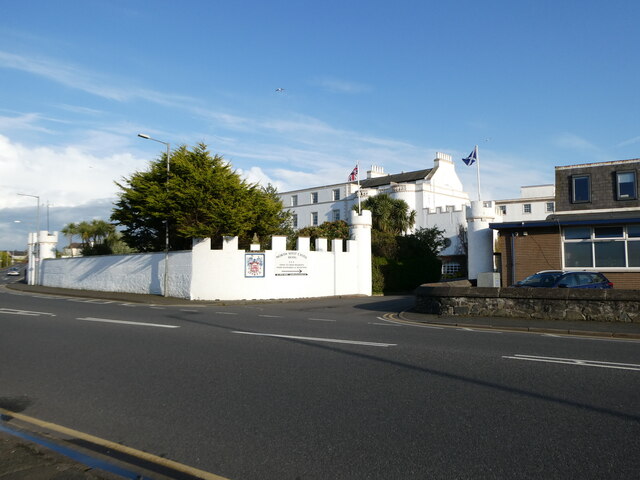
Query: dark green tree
(329, 230)
(202, 197)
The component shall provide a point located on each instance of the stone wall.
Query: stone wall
(547, 303)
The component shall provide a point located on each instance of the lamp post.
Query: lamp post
(36, 245)
(166, 221)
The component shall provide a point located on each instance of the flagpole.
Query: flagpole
(478, 172)
(359, 196)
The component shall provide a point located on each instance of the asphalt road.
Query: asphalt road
(323, 389)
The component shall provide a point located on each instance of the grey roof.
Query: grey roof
(404, 177)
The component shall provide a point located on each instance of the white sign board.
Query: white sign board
(291, 263)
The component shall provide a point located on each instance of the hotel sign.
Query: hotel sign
(291, 263)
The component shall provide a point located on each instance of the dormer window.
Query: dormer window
(626, 185)
(580, 189)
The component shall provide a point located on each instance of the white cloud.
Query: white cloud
(81, 79)
(575, 142)
(630, 141)
(336, 85)
(66, 177)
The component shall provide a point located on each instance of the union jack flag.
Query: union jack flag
(354, 174)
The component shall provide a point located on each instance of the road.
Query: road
(323, 389)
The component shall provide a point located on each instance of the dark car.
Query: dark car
(560, 279)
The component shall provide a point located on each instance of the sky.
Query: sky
(535, 84)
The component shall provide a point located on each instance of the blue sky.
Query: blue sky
(536, 84)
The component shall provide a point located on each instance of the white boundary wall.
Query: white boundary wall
(205, 274)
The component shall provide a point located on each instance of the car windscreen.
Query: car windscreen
(541, 280)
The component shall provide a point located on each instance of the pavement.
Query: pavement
(28, 459)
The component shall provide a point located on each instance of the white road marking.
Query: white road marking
(320, 320)
(404, 324)
(577, 362)
(11, 311)
(270, 316)
(386, 324)
(316, 339)
(124, 322)
(226, 313)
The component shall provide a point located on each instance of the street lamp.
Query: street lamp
(166, 222)
(36, 245)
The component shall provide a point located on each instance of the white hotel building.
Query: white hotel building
(436, 194)
(438, 198)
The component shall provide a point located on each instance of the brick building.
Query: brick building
(595, 226)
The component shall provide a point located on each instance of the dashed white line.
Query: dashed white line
(124, 322)
(270, 316)
(575, 361)
(316, 339)
(226, 313)
(11, 311)
(320, 319)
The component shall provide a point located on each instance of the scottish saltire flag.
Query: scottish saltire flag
(354, 175)
(473, 156)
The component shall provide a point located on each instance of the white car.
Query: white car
(13, 272)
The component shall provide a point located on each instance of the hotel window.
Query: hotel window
(294, 220)
(336, 194)
(580, 189)
(526, 208)
(314, 197)
(626, 185)
(502, 209)
(294, 200)
(335, 215)
(550, 207)
(314, 218)
(602, 247)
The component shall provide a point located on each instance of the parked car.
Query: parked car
(560, 279)
(13, 271)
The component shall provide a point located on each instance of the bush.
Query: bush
(402, 263)
(377, 276)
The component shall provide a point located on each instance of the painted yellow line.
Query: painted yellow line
(114, 446)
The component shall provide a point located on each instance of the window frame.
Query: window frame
(527, 208)
(574, 178)
(550, 207)
(619, 251)
(314, 197)
(634, 195)
(294, 200)
(335, 194)
(314, 219)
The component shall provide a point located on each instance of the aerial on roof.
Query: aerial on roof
(396, 178)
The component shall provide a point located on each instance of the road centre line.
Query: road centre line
(270, 316)
(11, 311)
(124, 322)
(321, 320)
(576, 362)
(226, 313)
(316, 339)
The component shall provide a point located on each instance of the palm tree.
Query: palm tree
(70, 231)
(390, 215)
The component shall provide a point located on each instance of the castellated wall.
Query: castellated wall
(229, 273)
